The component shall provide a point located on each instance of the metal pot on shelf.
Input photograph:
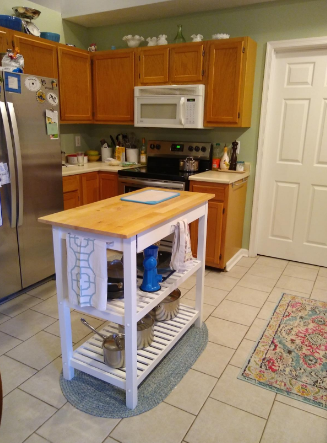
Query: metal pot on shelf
(189, 165)
(168, 308)
(113, 347)
(145, 331)
(115, 283)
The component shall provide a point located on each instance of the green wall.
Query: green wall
(51, 21)
(281, 20)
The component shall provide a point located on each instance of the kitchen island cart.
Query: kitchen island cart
(130, 228)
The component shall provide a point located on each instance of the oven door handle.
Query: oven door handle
(153, 183)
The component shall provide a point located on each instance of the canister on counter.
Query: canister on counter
(240, 166)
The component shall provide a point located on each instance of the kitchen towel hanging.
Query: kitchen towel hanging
(87, 271)
(181, 254)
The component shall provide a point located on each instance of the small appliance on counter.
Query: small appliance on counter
(151, 278)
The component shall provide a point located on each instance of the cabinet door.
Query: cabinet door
(5, 39)
(75, 85)
(214, 233)
(186, 63)
(224, 82)
(108, 184)
(113, 83)
(40, 55)
(153, 66)
(71, 200)
(90, 187)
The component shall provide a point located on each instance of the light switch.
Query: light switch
(77, 141)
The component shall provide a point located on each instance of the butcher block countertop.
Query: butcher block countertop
(117, 218)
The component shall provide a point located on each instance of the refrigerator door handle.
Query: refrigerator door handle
(14, 127)
(11, 165)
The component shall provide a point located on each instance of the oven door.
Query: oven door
(130, 184)
(162, 112)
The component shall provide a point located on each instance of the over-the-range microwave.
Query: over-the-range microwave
(171, 106)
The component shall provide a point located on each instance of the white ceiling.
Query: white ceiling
(109, 12)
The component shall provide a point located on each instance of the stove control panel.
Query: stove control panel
(172, 149)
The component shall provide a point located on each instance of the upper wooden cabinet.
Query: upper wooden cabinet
(230, 66)
(186, 63)
(40, 55)
(153, 65)
(173, 64)
(75, 85)
(113, 83)
(5, 39)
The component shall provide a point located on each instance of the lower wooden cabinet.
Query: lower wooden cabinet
(225, 221)
(108, 184)
(72, 191)
(90, 187)
(81, 189)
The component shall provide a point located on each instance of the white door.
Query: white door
(292, 211)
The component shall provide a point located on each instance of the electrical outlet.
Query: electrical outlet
(238, 147)
(77, 141)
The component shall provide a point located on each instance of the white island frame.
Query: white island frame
(128, 311)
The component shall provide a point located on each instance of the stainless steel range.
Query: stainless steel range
(163, 168)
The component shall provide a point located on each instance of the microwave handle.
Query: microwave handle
(182, 110)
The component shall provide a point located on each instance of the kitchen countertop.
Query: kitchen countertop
(92, 167)
(221, 177)
(101, 217)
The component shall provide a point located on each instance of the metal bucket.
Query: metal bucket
(168, 308)
(145, 331)
(113, 347)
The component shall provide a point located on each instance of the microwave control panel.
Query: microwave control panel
(190, 110)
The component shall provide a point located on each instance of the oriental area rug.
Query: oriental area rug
(290, 358)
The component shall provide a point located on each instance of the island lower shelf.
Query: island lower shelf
(89, 356)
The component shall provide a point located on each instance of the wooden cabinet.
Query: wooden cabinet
(40, 55)
(75, 85)
(173, 64)
(90, 187)
(72, 191)
(113, 83)
(5, 39)
(225, 221)
(186, 63)
(153, 65)
(230, 78)
(108, 185)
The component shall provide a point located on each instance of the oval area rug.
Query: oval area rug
(96, 397)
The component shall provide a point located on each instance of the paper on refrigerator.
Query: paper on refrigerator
(4, 174)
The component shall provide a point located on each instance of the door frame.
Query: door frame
(273, 48)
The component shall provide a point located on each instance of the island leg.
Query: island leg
(130, 294)
(201, 255)
(63, 307)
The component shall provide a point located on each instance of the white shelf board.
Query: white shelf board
(145, 300)
(89, 356)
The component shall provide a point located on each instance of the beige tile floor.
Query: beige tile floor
(210, 405)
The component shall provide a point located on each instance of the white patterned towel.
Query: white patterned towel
(181, 253)
(87, 271)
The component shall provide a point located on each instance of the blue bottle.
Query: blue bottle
(151, 278)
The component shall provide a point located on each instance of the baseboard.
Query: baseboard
(237, 257)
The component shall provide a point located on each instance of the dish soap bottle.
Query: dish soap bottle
(215, 157)
(233, 159)
(143, 153)
(224, 162)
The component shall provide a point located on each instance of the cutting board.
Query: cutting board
(150, 197)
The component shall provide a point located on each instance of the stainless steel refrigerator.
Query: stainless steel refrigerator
(33, 158)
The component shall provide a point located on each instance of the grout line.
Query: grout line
(267, 420)
(243, 410)
(298, 408)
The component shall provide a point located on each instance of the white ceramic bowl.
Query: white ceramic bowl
(220, 36)
(133, 41)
